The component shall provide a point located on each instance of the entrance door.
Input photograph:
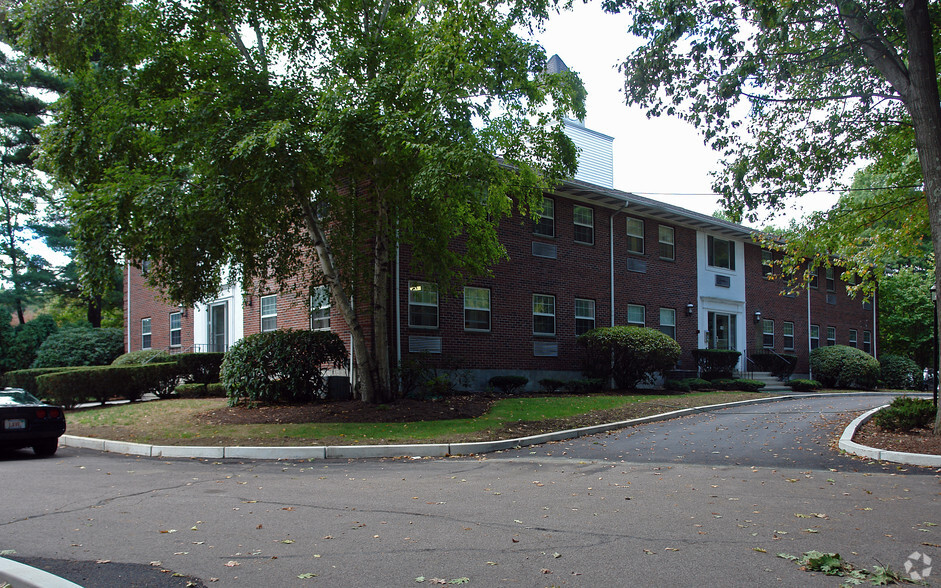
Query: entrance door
(218, 339)
(722, 330)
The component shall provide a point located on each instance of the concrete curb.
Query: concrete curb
(848, 445)
(20, 575)
(417, 450)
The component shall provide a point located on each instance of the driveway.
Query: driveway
(651, 506)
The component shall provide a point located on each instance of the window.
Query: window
(720, 253)
(176, 329)
(767, 333)
(584, 316)
(269, 313)
(813, 278)
(667, 243)
(814, 336)
(767, 263)
(867, 341)
(476, 309)
(635, 315)
(668, 322)
(543, 314)
(635, 235)
(787, 333)
(584, 225)
(545, 226)
(422, 305)
(320, 309)
(852, 337)
(831, 336)
(145, 333)
(830, 280)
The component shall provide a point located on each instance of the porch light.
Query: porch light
(757, 316)
(689, 309)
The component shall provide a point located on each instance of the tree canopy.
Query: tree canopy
(254, 136)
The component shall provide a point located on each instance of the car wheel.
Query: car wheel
(46, 447)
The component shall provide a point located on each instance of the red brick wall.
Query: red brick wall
(145, 302)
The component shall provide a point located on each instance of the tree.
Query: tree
(905, 308)
(793, 93)
(249, 138)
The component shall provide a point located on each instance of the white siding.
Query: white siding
(596, 157)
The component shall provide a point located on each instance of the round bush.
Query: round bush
(899, 373)
(631, 355)
(281, 366)
(80, 346)
(906, 413)
(509, 384)
(840, 366)
(801, 385)
(143, 356)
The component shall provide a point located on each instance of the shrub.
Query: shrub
(698, 383)
(781, 365)
(143, 356)
(748, 385)
(585, 386)
(840, 366)
(201, 368)
(196, 390)
(21, 343)
(281, 366)
(716, 363)
(26, 379)
(509, 384)
(724, 384)
(101, 383)
(906, 413)
(676, 385)
(801, 385)
(899, 373)
(75, 347)
(631, 355)
(552, 385)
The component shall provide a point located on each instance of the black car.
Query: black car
(26, 421)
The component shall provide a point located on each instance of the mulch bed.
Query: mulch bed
(917, 441)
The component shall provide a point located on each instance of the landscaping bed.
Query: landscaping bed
(915, 441)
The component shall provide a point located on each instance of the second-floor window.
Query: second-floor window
(422, 305)
(667, 243)
(545, 224)
(635, 235)
(584, 219)
(720, 253)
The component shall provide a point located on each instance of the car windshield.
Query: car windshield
(11, 397)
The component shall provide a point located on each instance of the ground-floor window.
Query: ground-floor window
(476, 309)
(831, 336)
(320, 309)
(145, 333)
(668, 322)
(269, 313)
(176, 329)
(867, 341)
(636, 315)
(767, 333)
(787, 332)
(814, 336)
(422, 305)
(852, 337)
(584, 316)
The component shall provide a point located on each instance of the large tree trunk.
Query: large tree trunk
(93, 312)
(922, 101)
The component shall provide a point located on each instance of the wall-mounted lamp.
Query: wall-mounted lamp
(249, 299)
(183, 311)
(757, 316)
(689, 309)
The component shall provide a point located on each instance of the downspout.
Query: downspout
(127, 317)
(398, 304)
(810, 370)
(875, 325)
(611, 241)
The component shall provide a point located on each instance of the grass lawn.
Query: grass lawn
(177, 422)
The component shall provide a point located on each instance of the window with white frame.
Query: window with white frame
(176, 329)
(476, 309)
(635, 315)
(543, 314)
(668, 322)
(269, 313)
(831, 281)
(831, 336)
(584, 315)
(867, 341)
(767, 333)
(320, 309)
(635, 235)
(767, 263)
(667, 239)
(422, 305)
(545, 226)
(787, 333)
(852, 337)
(814, 336)
(584, 219)
(813, 278)
(720, 252)
(145, 333)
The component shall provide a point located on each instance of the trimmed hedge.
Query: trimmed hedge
(841, 366)
(143, 356)
(80, 346)
(585, 386)
(552, 385)
(201, 368)
(906, 413)
(631, 355)
(509, 384)
(26, 379)
(196, 390)
(281, 366)
(102, 383)
(899, 373)
(802, 385)
(716, 364)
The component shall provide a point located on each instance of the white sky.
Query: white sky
(657, 157)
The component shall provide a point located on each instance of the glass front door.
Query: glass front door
(218, 339)
(722, 331)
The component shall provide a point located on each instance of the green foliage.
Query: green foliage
(803, 385)
(103, 383)
(195, 390)
(20, 346)
(74, 347)
(551, 385)
(840, 366)
(698, 383)
(781, 365)
(906, 313)
(143, 356)
(631, 355)
(899, 373)
(281, 366)
(201, 368)
(905, 414)
(26, 379)
(716, 363)
(509, 384)
(832, 564)
(585, 386)
(676, 385)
